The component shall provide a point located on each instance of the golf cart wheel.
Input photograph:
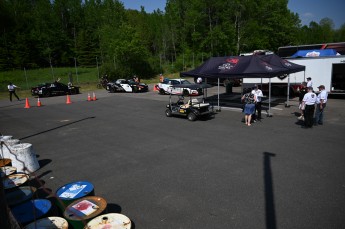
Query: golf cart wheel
(161, 91)
(191, 116)
(168, 112)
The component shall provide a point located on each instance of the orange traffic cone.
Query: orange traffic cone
(27, 105)
(94, 97)
(88, 97)
(39, 102)
(68, 101)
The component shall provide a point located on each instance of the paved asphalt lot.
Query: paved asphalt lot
(170, 173)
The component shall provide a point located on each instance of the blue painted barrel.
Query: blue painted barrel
(73, 191)
(31, 210)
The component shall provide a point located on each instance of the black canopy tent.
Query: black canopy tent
(254, 66)
(292, 67)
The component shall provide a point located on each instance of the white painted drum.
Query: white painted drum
(4, 137)
(110, 221)
(5, 153)
(24, 158)
(48, 222)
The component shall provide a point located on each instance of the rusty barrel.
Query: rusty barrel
(81, 211)
(110, 221)
(73, 191)
(5, 162)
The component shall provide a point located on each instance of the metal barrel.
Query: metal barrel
(81, 211)
(73, 191)
(13, 181)
(31, 210)
(7, 170)
(110, 221)
(49, 222)
(20, 195)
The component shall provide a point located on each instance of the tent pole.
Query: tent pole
(288, 93)
(269, 99)
(218, 97)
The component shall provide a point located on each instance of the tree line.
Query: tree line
(123, 42)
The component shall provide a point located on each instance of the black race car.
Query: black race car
(123, 85)
(55, 88)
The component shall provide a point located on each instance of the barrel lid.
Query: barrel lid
(74, 190)
(109, 221)
(7, 170)
(31, 210)
(85, 208)
(20, 195)
(48, 222)
(15, 180)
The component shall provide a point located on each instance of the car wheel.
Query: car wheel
(161, 91)
(191, 116)
(168, 112)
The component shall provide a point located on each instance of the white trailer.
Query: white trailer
(328, 71)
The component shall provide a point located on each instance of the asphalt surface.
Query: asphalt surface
(170, 173)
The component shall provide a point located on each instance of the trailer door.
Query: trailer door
(338, 78)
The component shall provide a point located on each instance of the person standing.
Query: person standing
(258, 93)
(249, 107)
(321, 102)
(199, 80)
(302, 92)
(12, 90)
(309, 82)
(309, 101)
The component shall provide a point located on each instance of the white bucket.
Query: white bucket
(4, 137)
(24, 158)
(4, 152)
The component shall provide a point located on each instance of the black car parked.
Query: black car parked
(55, 88)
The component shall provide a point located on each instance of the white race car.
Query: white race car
(167, 87)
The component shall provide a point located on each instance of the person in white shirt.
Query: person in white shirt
(309, 82)
(199, 80)
(321, 102)
(12, 90)
(258, 93)
(309, 101)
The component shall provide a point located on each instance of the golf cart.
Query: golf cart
(193, 108)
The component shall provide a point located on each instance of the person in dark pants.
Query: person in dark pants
(258, 93)
(309, 101)
(321, 103)
(302, 92)
(12, 90)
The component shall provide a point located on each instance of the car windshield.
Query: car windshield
(185, 82)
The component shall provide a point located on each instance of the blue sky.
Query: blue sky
(308, 10)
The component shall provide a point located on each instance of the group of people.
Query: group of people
(312, 105)
(252, 105)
